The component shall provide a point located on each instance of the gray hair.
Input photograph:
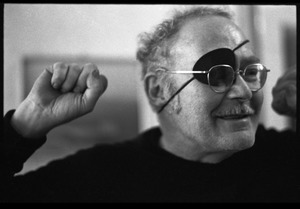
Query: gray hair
(154, 47)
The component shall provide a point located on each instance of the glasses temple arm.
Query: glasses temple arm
(187, 72)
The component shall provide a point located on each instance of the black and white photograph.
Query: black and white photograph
(149, 103)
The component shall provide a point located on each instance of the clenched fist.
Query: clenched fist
(60, 94)
(285, 94)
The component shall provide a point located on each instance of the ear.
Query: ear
(155, 92)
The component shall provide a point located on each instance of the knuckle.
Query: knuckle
(60, 70)
(90, 66)
(60, 65)
(58, 79)
(75, 67)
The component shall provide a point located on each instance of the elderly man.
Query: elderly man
(204, 82)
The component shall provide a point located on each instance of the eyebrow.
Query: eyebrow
(249, 60)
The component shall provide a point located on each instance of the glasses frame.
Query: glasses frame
(202, 72)
(235, 73)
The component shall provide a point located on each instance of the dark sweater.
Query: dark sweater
(138, 170)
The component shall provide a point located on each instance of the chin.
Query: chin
(239, 140)
(237, 134)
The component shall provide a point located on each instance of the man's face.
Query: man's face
(213, 120)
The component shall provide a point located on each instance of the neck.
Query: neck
(180, 145)
(192, 151)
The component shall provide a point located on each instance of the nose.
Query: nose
(239, 90)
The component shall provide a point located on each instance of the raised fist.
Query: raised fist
(285, 94)
(60, 94)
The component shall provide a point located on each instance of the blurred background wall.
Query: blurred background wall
(37, 35)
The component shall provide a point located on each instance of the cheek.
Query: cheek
(197, 122)
(198, 105)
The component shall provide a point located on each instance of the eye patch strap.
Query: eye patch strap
(177, 92)
(240, 45)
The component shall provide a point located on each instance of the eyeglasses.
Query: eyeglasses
(216, 68)
(221, 77)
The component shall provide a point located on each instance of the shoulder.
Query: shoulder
(280, 143)
(272, 136)
(263, 132)
(129, 150)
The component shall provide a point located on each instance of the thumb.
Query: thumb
(96, 85)
(43, 81)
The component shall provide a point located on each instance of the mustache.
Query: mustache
(240, 109)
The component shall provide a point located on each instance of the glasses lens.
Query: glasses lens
(255, 75)
(220, 77)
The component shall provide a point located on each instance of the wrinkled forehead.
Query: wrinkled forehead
(198, 36)
(213, 31)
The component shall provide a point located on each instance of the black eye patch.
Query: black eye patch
(221, 56)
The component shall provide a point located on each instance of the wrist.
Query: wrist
(27, 121)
